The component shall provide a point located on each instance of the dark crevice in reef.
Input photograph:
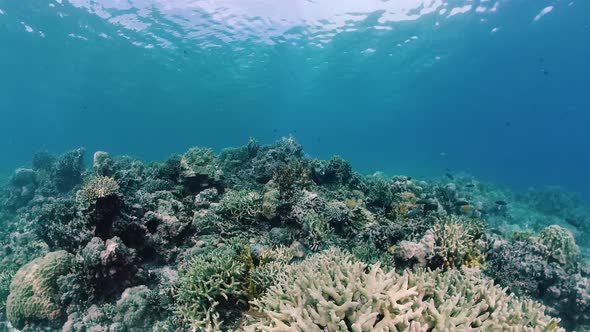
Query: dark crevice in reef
(195, 242)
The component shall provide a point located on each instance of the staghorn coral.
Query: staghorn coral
(332, 292)
(34, 293)
(271, 264)
(206, 285)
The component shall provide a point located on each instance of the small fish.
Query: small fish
(470, 185)
(466, 208)
(508, 124)
(501, 203)
(414, 212)
(573, 222)
(450, 176)
(461, 203)
(424, 201)
(430, 207)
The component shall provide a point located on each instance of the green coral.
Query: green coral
(34, 290)
(207, 283)
(242, 206)
(559, 245)
(333, 292)
(96, 188)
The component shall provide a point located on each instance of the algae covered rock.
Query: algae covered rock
(109, 265)
(199, 169)
(67, 170)
(34, 293)
(545, 267)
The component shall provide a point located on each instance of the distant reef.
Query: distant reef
(264, 238)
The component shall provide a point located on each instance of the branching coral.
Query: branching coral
(332, 292)
(97, 188)
(242, 206)
(208, 283)
(452, 242)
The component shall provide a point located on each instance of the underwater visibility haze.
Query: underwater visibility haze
(299, 165)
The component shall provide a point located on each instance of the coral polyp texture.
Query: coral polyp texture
(34, 293)
(265, 238)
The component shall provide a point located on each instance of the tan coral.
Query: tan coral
(332, 292)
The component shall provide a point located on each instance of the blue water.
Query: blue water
(397, 86)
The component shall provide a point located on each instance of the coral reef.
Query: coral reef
(262, 237)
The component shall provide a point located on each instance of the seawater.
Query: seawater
(496, 89)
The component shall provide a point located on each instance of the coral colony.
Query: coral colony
(263, 238)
